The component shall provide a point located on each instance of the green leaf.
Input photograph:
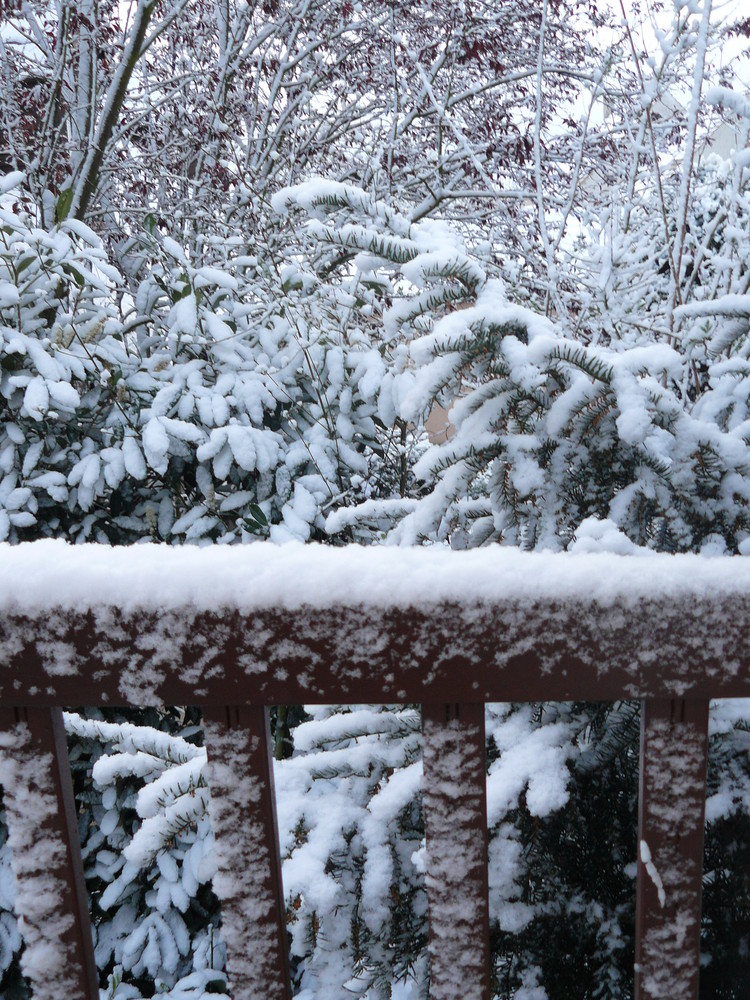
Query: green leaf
(258, 514)
(253, 526)
(64, 201)
(183, 293)
(25, 263)
(75, 274)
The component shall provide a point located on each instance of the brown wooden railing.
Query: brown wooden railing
(451, 657)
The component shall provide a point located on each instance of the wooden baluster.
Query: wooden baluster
(51, 899)
(455, 810)
(674, 742)
(248, 881)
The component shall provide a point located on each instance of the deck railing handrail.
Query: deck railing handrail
(599, 629)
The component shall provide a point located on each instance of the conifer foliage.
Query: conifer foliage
(548, 432)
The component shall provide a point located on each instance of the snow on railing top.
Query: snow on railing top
(293, 624)
(48, 574)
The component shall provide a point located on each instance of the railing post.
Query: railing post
(671, 811)
(455, 811)
(248, 881)
(51, 899)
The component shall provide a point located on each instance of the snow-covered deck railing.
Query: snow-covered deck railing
(236, 630)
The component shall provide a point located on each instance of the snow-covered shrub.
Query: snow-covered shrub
(351, 839)
(61, 357)
(226, 400)
(255, 396)
(562, 786)
(726, 893)
(10, 939)
(546, 431)
(148, 856)
(258, 385)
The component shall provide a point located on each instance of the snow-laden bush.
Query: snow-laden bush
(148, 855)
(546, 431)
(61, 357)
(226, 400)
(352, 836)
(10, 939)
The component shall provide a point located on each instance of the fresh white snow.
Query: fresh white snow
(48, 574)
